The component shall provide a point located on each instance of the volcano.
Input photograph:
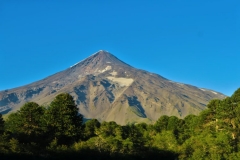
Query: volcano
(108, 89)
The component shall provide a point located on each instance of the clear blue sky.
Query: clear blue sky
(195, 42)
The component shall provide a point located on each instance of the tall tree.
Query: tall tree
(214, 108)
(190, 123)
(236, 96)
(90, 128)
(172, 123)
(161, 123)
(1, 124)
(63, 120)
(27, 122)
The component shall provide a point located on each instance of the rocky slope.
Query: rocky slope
(108, 89)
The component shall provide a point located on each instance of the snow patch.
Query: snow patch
(80, 76)
(114, 73)
(208, 90)
(84, 59)
(76, 64)
(122, 81)
(214, 92)
(106, 69)
(180, 84)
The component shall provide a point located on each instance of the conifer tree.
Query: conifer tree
(63, 120)
(1, 124)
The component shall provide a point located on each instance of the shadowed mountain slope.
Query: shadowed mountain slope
(108, 89)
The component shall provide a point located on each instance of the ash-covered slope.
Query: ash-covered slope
(108, 89)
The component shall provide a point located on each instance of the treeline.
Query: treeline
(58, 132)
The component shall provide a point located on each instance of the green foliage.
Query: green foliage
(207, 146)
(4, 144)
(1, 124)
(190, 123)
(109, 129)
(13, 123)
(57, 132)
(173, 123)
(14, 146)
(236, 96)
(90, 128)
(161, 123)
(55, 147)
(165, 140)
(27, 123)
(63, 120)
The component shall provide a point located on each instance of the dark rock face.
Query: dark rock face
(9, 98)
(136, 106)
(108, 89)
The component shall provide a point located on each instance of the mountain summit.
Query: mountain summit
(108, 89)
(101, 57)
(98, 63)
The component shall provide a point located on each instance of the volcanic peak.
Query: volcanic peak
(103, 57)
(107, 89)
(100, 53)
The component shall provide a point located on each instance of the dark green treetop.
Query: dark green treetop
(63, 119)
(1, 124)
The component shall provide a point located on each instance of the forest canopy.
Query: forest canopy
(58, 132)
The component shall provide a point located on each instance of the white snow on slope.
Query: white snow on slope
(208, 90)
(180, 84)
(122, 81)
(85, 59)
(214, 92)
(114, 73)
(106, 69)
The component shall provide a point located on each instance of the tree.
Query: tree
(90, 128)
(27, 123)
(1, 124)
(31, 116)
(63, 120)
(236, 96)
(165, 140)
(161, 123)
(108, 129)
(172, 123)
(133, 134)
(209, 118)
(190, 123)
